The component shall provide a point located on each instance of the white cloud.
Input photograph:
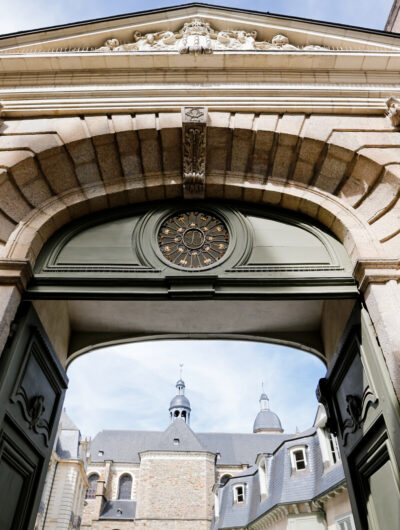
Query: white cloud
(130, 386)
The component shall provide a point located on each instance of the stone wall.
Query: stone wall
(335, 507)
(175, 486)
(117, 470)
(66, 499)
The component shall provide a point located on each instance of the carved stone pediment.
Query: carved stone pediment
(198, 36)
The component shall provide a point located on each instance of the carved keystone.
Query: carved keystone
(194, 132)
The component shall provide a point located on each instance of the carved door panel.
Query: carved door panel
(363, 412)
(32, 388)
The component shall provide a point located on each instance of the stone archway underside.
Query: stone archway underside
(343, 171)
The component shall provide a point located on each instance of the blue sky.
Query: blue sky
(19, 15)
(130, 386)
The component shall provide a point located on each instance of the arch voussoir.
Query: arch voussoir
(320, 166)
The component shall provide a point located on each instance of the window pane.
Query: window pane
(125, 487)
(91, 491)
(300, 460)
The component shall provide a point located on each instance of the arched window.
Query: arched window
(125, 487)
(224, 479)
(91, 491)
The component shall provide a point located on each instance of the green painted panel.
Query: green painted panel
(106, 243)
(11, 486)
(385, 497)
(276, 242)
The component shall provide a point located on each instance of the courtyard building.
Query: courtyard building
(181, 479)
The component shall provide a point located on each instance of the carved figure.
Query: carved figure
(198, 37)
(35, 411)
(354, 409)
(393, 110)
(109, 45)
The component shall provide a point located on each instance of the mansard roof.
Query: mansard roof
(284, 487)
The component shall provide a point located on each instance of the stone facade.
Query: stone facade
(65, 486)
(187, 492)
(305, 121)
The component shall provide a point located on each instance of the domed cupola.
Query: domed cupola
(179, 408)
(266, 421)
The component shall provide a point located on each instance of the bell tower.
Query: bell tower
(179, 407)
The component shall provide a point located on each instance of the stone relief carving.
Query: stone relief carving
(194, 128)
(198, 37)
(393, 110)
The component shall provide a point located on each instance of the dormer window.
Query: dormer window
(298, 458)
(239, 493)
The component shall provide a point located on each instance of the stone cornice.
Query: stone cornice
(173, 455)
(369, 271)
(260, 80)
(15, 272)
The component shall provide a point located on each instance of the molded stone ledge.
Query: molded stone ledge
(15, 272)
(369, 271)
(10, 298)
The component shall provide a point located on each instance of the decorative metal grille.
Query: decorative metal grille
(193, 240)
(91, 491)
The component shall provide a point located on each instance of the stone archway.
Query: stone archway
(61, 169)
(341, 171)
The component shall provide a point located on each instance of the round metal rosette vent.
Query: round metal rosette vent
(193, 240)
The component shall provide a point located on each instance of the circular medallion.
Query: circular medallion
(193, 240)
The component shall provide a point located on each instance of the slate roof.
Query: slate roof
(234, 448)
(121, 510)
(178, 437)
(67, 445)
(285, 486)
(179, 401)
(66, 422)
(266, 419)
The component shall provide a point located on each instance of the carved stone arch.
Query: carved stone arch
(100, 162)
(58, 169)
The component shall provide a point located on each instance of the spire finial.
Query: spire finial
(180, 370)
(264, 401)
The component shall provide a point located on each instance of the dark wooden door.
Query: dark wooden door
(32, 388)
(363, 411)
